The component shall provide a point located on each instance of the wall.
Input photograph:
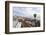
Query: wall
(2, 18)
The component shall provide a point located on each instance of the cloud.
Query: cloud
(25, 11)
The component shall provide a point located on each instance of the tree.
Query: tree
(35, 19)
(35, 15)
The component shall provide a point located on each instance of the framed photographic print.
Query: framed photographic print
(24, 17)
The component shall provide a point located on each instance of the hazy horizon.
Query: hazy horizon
(26, 11)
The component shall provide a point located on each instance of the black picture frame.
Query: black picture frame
(7, 16)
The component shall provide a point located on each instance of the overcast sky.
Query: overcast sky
(26, 11)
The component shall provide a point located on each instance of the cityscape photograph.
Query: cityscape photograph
(26, 17)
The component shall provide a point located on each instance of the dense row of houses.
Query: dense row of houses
(20, 21)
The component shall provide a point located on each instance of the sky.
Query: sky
(26, 11)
